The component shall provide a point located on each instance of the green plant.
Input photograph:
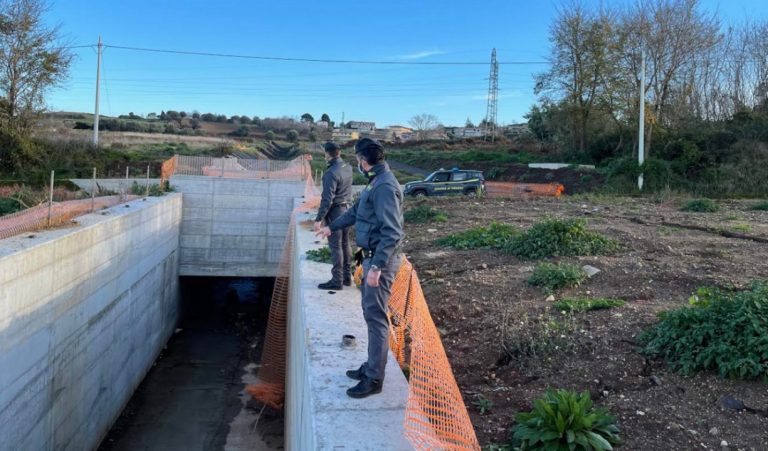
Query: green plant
(498, 447)
(565, 420)
(424, 213)
(761, 206)
(483, 404)
(744, 228)
(560, 237)
(154, 189)
(496, 235)
(701, 206)
(585, 304)
(9, 205)
(552, 276)
(322, 255)
(723, 331)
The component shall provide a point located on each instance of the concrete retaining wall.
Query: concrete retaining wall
(234, 227)
(84, 312)
(318, 413)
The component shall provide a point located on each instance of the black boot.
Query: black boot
(357, 374)
(366, 387)
(347, 282)
(330, 285)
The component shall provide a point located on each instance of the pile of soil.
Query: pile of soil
(477, 297)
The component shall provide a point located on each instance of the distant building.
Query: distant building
(465, 132)
(517, 129)
(362, 126)
(343, 136)
(322, 124)
(399, 130)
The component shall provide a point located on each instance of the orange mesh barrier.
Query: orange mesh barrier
(36, 218)
(510, 189)
(230, 167)
(168, 168)
(436, 417)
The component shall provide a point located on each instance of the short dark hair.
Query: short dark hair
(332, 149)
(370, 150)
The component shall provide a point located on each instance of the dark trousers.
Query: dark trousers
(374, 302)
(341, 252)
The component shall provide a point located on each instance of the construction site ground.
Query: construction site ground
(477, 296)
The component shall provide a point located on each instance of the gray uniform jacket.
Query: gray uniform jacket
(337, 187)
(377, 216)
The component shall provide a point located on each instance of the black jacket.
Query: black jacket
(337, 187)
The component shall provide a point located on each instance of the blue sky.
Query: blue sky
(394, 30)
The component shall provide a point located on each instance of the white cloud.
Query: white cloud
(420, 55)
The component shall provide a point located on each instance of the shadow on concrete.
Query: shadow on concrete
(191, 399)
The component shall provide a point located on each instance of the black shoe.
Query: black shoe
(330, 285)
(347, 283)
(366, 387)
(357, 374)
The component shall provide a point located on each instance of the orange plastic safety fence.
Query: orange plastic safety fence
(511, 189)
(36, 218)
(436, 417)
(168, 168)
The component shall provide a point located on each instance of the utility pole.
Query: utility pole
(493, 98)
(96, 109)
(343, 126)
(641, 132)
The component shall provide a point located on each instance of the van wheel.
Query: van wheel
(471, 194)
(420, 194)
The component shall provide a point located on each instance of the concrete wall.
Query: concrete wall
(318, 414)
(234, 227)
(84, 311)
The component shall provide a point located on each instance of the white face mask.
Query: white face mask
(361, 170)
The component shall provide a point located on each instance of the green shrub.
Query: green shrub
(721, 331)
(565, 420)
(9, 205)
(556, 237)
(701, 206)
(483, 404)
(424, 213)
(322, 255)
(585, 304)
(154, 189)
(552, 276)
(496, 235)
(762, 206)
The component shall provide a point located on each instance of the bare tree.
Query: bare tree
(423, 124)
(30, 62)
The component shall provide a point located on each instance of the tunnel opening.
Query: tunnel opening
(192, 398)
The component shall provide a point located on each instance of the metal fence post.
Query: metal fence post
(222, 167)
(93, 191)
(50, 200)
(146, 193)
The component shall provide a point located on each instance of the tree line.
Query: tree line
(706, 92)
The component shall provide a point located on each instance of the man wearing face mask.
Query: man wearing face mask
(378, 220)
(335, 200)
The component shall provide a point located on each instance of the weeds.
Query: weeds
(496, 235)
(154, 190)
(701, 206)
(322, 255)
(560, 237)
(722, 331)
(483, 404)
(585, 304)
(525, 338)
(552, 276)
(565, 420)
(761, 206)
(424, 213)
(743, 228)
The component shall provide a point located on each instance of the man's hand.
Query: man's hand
(318, 225)
(324, 232)
(373, 278)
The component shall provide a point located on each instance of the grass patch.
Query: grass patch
(154, 189)
(722, 331)
(565, 420)
(560, 237)
(700, 206)
(496, 235)
(9, 205)
(743, 228)
(424, 213)
(322, 255)
(585, 304)
(761, 206)
(552, 276)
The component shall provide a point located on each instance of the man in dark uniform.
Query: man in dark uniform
(335, 201)
(378, 220)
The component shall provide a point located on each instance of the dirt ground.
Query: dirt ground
(477, 296)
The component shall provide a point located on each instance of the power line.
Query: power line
(319, 60)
